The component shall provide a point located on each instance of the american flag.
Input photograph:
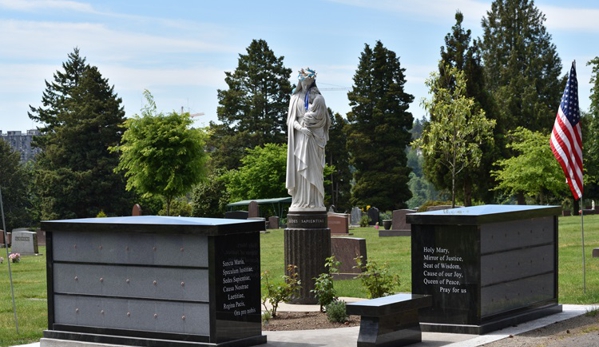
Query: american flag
(566, 137)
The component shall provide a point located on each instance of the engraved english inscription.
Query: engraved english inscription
(443, 270)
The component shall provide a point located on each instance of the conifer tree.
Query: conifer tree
(338, 185)
(14, 186)
(253, 110)
(80, 118)
(378, 130)
(522, 68)
(462, 53)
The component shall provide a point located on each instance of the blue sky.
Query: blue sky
(180, 49)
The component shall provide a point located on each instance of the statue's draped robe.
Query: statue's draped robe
(305, 154)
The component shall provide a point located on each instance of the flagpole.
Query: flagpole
(584, 272)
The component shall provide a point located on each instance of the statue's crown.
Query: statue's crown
(306, 73)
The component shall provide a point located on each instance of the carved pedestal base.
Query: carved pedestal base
(307, 245)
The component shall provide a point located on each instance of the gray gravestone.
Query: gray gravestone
(373, 216)
(356, 215)
(253, 209)
(24, 242)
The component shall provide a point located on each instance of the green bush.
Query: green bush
(323, 285)
(364, 221)
(336, 312)
(275, 293)
(376, 279)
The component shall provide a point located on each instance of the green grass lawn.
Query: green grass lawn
(29, 276)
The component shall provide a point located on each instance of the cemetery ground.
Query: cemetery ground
(29, 279)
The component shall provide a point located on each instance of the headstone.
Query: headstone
(399, 219)
(373, 216)
(2, 243)
(41, 237)
(24, 242)
(273, 222)
(355, 216)
(346, 250)
(136, 210)
(399, 226)
(253, 209)
(338, 223)
(236, 214)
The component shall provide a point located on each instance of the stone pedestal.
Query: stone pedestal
(307, 245)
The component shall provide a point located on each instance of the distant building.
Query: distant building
(22, 143)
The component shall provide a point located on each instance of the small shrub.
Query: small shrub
(386, 215)
(324, 289)
(376, 279)
(592, 313)
(276, 294)
(266, 317)
(336, 312)
(364, 221)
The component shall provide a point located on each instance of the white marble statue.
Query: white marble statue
(308, 125)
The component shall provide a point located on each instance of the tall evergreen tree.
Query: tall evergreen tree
(14, 185)
(522, 67)
(378, 130)
(463, 53)
(80, 119)
(339, 183)
(253, 110)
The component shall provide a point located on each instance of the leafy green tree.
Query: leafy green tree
(261, 175)
(463, 53)
(458, 129)
(522, 68)
(14, 186)
(210, 197)
(338, 159)
(378, 130)
(81, 118)
(253, 110)
(161, 154)
(534, 171)
(590, 138)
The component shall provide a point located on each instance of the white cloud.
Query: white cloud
(53, 40)
(567, 18)
(34, 5)
(429, 11)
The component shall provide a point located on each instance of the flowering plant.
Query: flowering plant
(15, 257)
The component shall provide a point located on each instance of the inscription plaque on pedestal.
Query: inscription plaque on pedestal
(486, 267)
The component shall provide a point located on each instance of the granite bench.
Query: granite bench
(390, 320)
